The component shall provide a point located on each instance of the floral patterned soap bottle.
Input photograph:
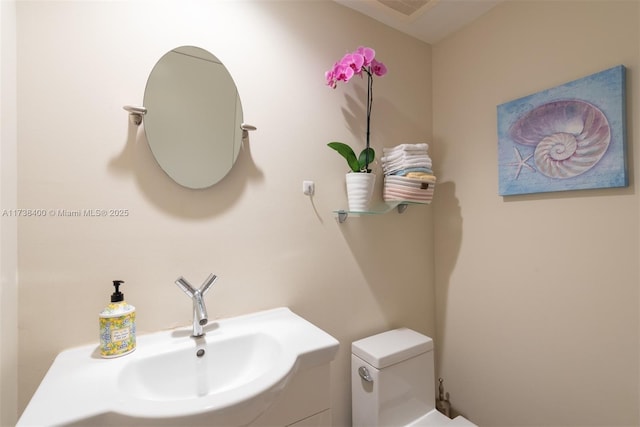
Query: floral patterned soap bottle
(117, 326)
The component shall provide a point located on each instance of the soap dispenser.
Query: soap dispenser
(117, 326)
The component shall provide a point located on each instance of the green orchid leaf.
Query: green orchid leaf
(362, 160)
(348, 153)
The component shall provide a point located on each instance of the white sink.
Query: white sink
(230, 376)
(209, 368)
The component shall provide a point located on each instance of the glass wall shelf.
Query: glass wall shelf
(379, 209)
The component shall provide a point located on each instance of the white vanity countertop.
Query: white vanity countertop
(80, 384)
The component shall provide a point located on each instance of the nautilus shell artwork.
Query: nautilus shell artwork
(569, 136)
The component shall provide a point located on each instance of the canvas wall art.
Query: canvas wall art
(570, 137)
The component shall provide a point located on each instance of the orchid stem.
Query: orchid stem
(369, 102)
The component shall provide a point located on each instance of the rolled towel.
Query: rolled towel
(406, 147)
(422, 176)
(397, 166)
(405, 172)
(404, 156)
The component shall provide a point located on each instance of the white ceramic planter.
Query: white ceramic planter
(360, 190)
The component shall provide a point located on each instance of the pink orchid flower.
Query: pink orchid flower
(356, 63)
(367, 53)
(339, 72)
(378, 68)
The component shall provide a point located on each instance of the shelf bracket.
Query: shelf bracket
(343, 214)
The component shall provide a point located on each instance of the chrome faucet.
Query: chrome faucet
(200, 317)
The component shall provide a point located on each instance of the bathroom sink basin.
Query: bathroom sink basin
(210, 368)
(228, 377)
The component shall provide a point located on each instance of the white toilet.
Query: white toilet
(393, 383)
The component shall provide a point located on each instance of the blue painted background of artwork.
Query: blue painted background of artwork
(518, 172)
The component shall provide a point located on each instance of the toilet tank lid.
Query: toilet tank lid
(391, 347)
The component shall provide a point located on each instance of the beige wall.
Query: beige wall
(79, 62)
(537, 296)
(8, 225)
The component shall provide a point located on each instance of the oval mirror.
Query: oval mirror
(193, 117)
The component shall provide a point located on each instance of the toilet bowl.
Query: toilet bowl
(393, 384)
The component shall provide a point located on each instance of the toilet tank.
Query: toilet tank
(400, 387)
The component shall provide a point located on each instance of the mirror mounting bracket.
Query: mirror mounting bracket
(246, 128)
(135, 113)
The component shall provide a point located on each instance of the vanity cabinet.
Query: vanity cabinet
(304, 402)
(323, 419)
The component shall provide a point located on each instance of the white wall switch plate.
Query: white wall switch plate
(308, 187)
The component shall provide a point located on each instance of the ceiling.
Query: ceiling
(426, 20)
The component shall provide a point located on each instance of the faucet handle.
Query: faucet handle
(208, 283)
(185, 286)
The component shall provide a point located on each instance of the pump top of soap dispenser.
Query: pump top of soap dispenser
(117, 306)
(117, 296)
